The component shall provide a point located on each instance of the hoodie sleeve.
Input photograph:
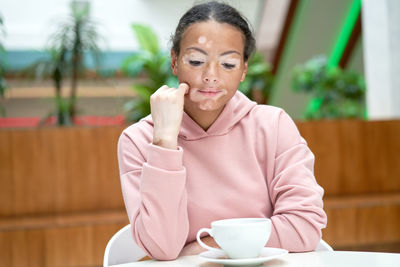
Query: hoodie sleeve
(298, 215)
(155, 197)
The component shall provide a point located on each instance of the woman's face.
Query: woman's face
(211, 63)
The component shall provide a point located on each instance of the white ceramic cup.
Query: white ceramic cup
(240, 238)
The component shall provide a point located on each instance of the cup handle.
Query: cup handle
(209, 231)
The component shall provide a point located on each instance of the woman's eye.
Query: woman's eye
(228, 66)
(195, 62)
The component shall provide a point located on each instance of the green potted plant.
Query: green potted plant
(74, 37)
(336, 93)
(152, 66)
(259, 79)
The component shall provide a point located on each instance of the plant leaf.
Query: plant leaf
(143, 90)
(146, 37)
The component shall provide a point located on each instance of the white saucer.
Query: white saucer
(265, 255)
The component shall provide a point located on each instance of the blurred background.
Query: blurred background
(74, 74)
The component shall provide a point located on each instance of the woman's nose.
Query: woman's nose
(210, 74)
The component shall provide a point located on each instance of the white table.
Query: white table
(309, 259)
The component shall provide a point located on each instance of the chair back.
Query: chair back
(323, 246)
(122, 249)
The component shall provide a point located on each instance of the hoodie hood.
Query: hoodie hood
(236, 108)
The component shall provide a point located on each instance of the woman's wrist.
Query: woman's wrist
(166, 142)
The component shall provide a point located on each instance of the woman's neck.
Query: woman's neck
(203, 118)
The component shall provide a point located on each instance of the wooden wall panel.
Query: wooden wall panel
(362, 220)
(383, 154)
(322, 140)
(107, 153)
(355, 157)
(84, 195)
(82, 245)
(59, 170)
(33, 185)
(6, 174)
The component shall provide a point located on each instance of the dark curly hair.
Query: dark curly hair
(219, 12)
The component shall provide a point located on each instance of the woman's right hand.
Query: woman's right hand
(167, 110)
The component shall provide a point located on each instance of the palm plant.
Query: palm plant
(150, 63)
(2, 67)
(73, 38)
(54, 66)
(336, 93)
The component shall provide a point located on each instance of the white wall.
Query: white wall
(381, 33)
(28, 23)
(272, 22)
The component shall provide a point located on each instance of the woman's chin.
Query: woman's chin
(208, 105)
(204, 105)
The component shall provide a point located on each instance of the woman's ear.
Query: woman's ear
(174, 63)
(244, 72)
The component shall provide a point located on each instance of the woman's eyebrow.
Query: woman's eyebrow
(197, 49)
(230, 52)
(205, 53)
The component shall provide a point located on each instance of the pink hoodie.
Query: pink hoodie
(252, 162)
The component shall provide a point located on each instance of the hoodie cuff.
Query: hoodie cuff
(166, 159)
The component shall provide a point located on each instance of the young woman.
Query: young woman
(207, 152)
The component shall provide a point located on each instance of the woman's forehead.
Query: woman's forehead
(212, 35)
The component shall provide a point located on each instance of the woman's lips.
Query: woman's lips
(209, 92)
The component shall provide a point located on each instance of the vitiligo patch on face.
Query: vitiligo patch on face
(208, 105)
(202, 40)
(209, 44)
(231, 61)
(204, 102)
(187, 58)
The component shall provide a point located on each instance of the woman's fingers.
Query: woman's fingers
(161, 89)
(167, 110)
(183, 88)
